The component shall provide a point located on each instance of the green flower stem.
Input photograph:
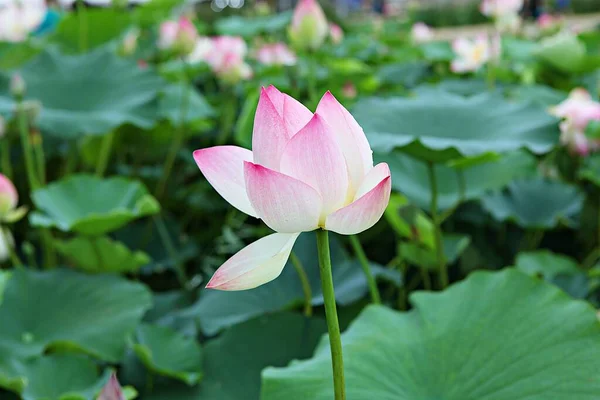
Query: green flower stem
(439, 247)
(105, 151)
(227, 121)
(333, 326)
(27, 149)
(170, 248)
(14, 258)
(6, 164)
(312, 77)
(40, 157)
(425, 277)
(305, 283)
(364, 262)
(83, 28)
(48, 244)
(177, 140)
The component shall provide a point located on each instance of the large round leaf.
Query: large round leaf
(495, 336)
(410, 177)
(438, 126)
(116, 91)
(64, 309)
(250, 27)
(536, 203)
(216, 310)
(233, 362)
(169, 353)
(90, 205)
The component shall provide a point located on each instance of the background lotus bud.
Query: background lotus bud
(275, 54)
(112, 390)
(421, 33)
(17, 85)
(179, 36)
(202, 48)
(309, 27)
(129, 44)
(8, 196)
(349, 90)
(227, 59)
(336, 33)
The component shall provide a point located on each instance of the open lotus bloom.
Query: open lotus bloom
(578, 110)
(305, 171)
(19, 18)
(112, 390)
(309, 27)
(275, 54)
(471, 54)
(421, 33)
(178, 35)
(226, 58)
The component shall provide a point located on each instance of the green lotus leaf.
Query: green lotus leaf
(13, 55)
(251, 27)
(539, 94)
(546, 263)
(98, 27)
(494, 336)
(4, 277)
(426, 257)
(62, 377)
(233, 361)
(410, 177)
(62, 309)
(590, 170)
(536, 203)
(172, 98)
(168, 353)
(90, 205)
(407, 74)
(216, 310)
(118, 92)
(563, 51)
(101, 254)
(438, 126)
(437, 51)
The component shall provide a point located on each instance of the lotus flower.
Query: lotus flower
(226, 58)
(202, 49)
(309, 27)
(336, 33)
(578, 110)
(275, 54)
(471, 55)
(8, 196)
(305, 171)
(112, 390)
(179, 36)
(500, 8)
(130, 42)
(421, 33)
(18, 19)
(349, 90)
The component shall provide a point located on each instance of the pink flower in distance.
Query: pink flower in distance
(8, 196)
(471, 54)
(178, 35)
(112, 390)
(309, 27)
(336, 33)
(226, 58)
(421, 33)
(275, 54)
(349, 90)
(305, 171)
(578, 110)
(500, 8)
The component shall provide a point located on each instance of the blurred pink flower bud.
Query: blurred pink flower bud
(275, 54)
(309, 27)
(336, 33)
(179, 36)
(226, 59)
(349, 90)
(112, 390)
(8, 196)
(17, 85)
(421, 33)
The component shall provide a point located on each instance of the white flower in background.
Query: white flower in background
(578, 110)
(472, 54)
(7, 243)
(201, 50)
(500, 8)
(275, 54)
(19, 18)
(421, 33)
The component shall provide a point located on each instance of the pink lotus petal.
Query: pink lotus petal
(314, 157)
(256, 264)
(350, 138)
(9, 197)
(278, 117)
(362, 213)
(112, 390)
(372, 179)
(223, 167)
(285, 204)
